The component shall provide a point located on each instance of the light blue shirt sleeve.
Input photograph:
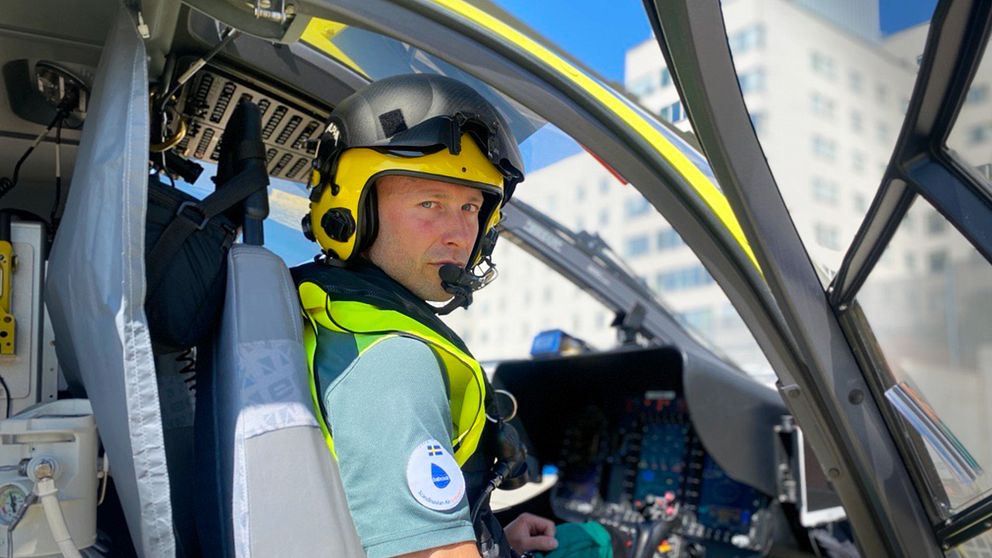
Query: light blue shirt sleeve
(384, 407)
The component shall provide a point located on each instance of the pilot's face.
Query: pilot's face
(424, 224)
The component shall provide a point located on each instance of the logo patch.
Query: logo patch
(439, 477)
(434, 478)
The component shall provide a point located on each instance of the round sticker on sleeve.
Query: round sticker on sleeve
(434, 477)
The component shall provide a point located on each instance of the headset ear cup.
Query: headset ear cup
(338, 223)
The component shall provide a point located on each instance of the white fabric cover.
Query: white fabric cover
(96, 288)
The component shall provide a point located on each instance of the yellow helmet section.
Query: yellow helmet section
(347, 192)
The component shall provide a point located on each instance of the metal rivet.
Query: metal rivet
(794, 393)
(946, 546)
(856, 397)
(842, 308)
(833, 472)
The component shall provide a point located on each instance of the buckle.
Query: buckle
(203, 219)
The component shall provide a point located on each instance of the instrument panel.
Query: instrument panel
(643, 463)
(673, 454)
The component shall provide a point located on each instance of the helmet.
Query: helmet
(415, 125)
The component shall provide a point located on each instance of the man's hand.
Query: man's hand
(529, 532)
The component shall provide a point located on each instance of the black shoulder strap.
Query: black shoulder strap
(194, 216)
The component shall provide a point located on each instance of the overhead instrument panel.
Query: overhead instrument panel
(207, 102)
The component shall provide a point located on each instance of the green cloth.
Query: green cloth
(581, 540)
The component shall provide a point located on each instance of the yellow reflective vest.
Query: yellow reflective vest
(368, 325)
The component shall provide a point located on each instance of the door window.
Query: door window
(933, 324)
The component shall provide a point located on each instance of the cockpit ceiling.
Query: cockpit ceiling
(64, 24)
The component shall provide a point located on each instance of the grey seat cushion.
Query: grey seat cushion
(263, 456)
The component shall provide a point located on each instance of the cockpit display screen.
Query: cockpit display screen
(724, 503)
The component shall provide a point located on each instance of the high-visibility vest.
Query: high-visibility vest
(369, 325)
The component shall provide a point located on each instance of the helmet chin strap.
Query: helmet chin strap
(461, 283)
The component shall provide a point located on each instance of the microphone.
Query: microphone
(461, 283)
(456, 280)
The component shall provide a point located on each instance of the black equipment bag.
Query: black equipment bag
(187, 240)
(185, 291)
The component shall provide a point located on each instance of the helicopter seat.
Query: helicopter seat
(266, 484)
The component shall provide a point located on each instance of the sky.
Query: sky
(599, 37)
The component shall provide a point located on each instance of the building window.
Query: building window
(747, 39)
(825, 191)
(908, 222)
(604, 185)
(978, 93)
(604, 217)
(643, 85)
(636, 246)
(860, 203)
(857, 122)
(936, 223)
(825, 148)
(980, 133)
(857, 160)
(882, 132)
(636, 206)
(857, 81)
(881, 93)
(822, 64)
(673, 112)
(665, 79)
(668, 239)
(757, 121)
(682, 279)
(752, 81)
(700, 319)
(827, 236)
(580, 193)
(937, 261)
(821, 105)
